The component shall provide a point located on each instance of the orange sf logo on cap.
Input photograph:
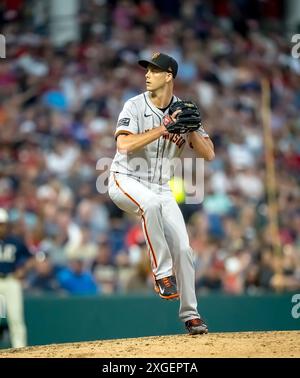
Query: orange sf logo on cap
(155, 55)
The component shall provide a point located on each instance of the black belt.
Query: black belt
(3, 275)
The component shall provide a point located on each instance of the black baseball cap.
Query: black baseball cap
(162, 61)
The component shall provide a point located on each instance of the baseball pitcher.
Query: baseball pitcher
(154, 127)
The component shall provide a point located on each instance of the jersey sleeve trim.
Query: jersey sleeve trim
(191, 145)
(122, 132)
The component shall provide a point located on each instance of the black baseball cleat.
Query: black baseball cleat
(166, 288)
(196, 326)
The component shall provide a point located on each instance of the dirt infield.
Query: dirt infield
(243, 344)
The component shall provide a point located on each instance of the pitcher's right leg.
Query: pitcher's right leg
(135, 198)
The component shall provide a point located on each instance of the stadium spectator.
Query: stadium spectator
(75, 279)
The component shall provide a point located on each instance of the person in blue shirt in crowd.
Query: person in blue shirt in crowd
(77, 280)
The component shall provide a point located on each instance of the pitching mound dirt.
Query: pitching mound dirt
(243, 344)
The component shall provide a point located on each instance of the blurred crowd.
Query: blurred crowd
(58, 112)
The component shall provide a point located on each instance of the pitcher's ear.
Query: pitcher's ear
(169, 77)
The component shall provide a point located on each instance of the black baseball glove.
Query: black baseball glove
(187, 120)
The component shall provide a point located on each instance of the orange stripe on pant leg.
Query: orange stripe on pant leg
(143, 218)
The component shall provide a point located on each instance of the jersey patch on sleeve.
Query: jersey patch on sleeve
(202, 132)
(124, 122)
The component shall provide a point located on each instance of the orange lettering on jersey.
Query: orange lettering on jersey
(175, 138)
(181, 143)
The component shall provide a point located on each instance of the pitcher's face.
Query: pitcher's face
(156, 78)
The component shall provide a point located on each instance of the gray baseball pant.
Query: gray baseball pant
(165, 233)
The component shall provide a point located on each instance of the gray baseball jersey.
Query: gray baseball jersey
(139, 115)
(138, 185)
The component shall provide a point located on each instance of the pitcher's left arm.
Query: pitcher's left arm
(202, 145)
